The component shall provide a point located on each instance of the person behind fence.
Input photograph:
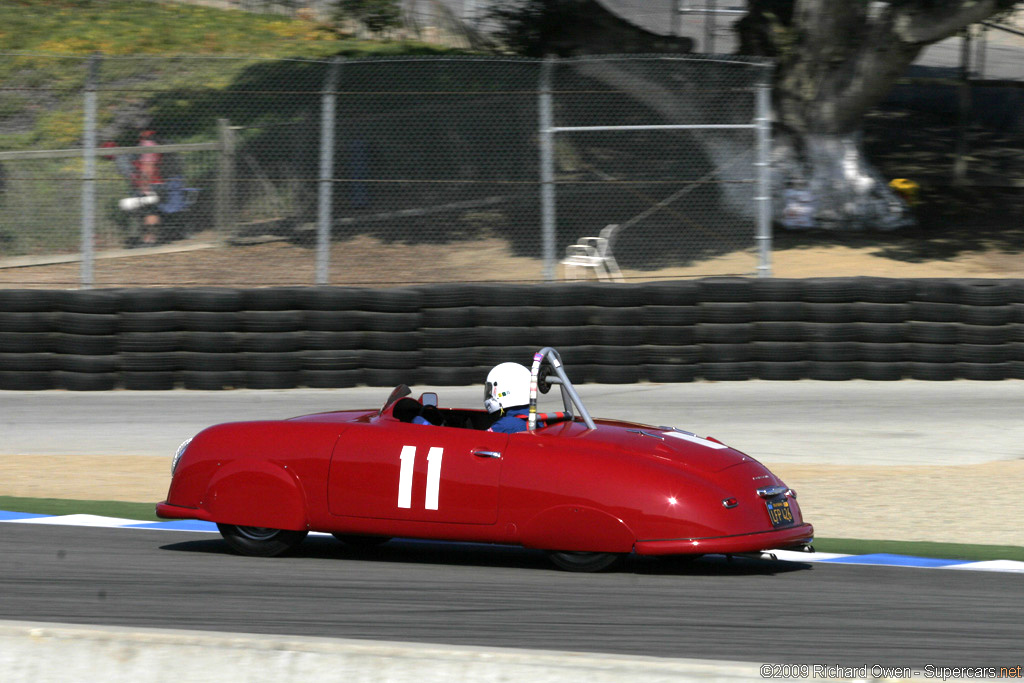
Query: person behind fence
(158, 193)
(507, 392)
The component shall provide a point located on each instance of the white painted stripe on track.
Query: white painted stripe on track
(877, 559)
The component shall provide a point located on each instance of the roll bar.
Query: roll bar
(542, 381)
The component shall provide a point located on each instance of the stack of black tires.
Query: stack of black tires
(451, 334)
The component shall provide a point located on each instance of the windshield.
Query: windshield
(397, 393)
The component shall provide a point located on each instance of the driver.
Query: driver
(507, 392)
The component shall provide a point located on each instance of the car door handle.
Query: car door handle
(487, 454)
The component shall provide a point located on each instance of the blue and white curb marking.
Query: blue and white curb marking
(875, 559)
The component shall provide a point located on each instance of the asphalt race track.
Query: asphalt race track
(744, 610)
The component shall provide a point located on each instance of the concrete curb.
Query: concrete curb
(40, 652)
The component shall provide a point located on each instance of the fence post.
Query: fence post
(764, 189)
(325, 190)
(224, 212)
(89, 172)
(547, 170)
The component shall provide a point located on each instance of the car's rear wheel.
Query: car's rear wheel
(260, 541)
(582, 561)
(357, 541)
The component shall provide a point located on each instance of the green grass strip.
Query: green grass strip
(949, 551)
(946, 551)
(143, 512)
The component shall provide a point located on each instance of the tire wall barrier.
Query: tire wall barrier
(451, 334)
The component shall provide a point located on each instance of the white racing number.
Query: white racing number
(408, 458)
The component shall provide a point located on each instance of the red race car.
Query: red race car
(586, 491)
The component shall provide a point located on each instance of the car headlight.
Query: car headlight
(180, 452)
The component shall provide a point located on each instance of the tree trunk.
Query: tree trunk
(837, 60)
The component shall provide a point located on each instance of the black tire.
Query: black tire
(982, 353)
(671, 315)
(446, 295)
(565, 315)
(30, 322)
(27, 300)
(583, 562)
(26, 380)
(672, 293)
(618, 315)
(617, 374)
(930, 353)
(331, 379)
(452, 376)
(272, 299)
(392, 341)
(612, 335)
(671, 355)
(933, 372)
(984, 334)
(830, 290)
(142, 300)
(884, 372)
(167, 361)
(152, 321)
(260, 542)
(87, 364)
(776, 289)
(833, 351)
(27, 362)
(621, 295)
(791, 311)
(317, 340)
(390, 377)
(271, 379)
(988, 315)
(728, 372)
(985, 292)
(448, 337)
(331, 298)
(669, 335)
(24, 342)
(881, 313)
(149, 342)
(84, 344)
(270, 342)
(459, 316)
(149, 381)
(85, 381)
(726, 312)
(505, 316)
(209, 342)
(881, 333)
(726, 289)
(204, 321)
(391, 359)
(670, 374)
(782, 371)
(830, 313)
(830, 332)
(212, 381)
(778, 331)
(882, 353)
(394, 300)
(934, 312)
(362, 542)
(562, 336)
(772, 352)
(834, 371)
(721, 333)
(884, 290)
(270, 362)
(985, 371)
(272, 321)
(195, 361)
(392, 322)
(725, 353)
(934, 333)
(331, 359)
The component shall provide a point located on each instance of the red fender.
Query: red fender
(578, 528)
(252, 492)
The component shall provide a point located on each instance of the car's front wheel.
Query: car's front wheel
(583, 562)
(260, 541)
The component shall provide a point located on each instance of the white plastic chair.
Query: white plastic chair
(594, 253)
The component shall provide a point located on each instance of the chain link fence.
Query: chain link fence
(245, 172)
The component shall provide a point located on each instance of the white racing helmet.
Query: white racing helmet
(507, 386)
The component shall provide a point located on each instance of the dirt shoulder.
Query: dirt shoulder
(905, 503)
